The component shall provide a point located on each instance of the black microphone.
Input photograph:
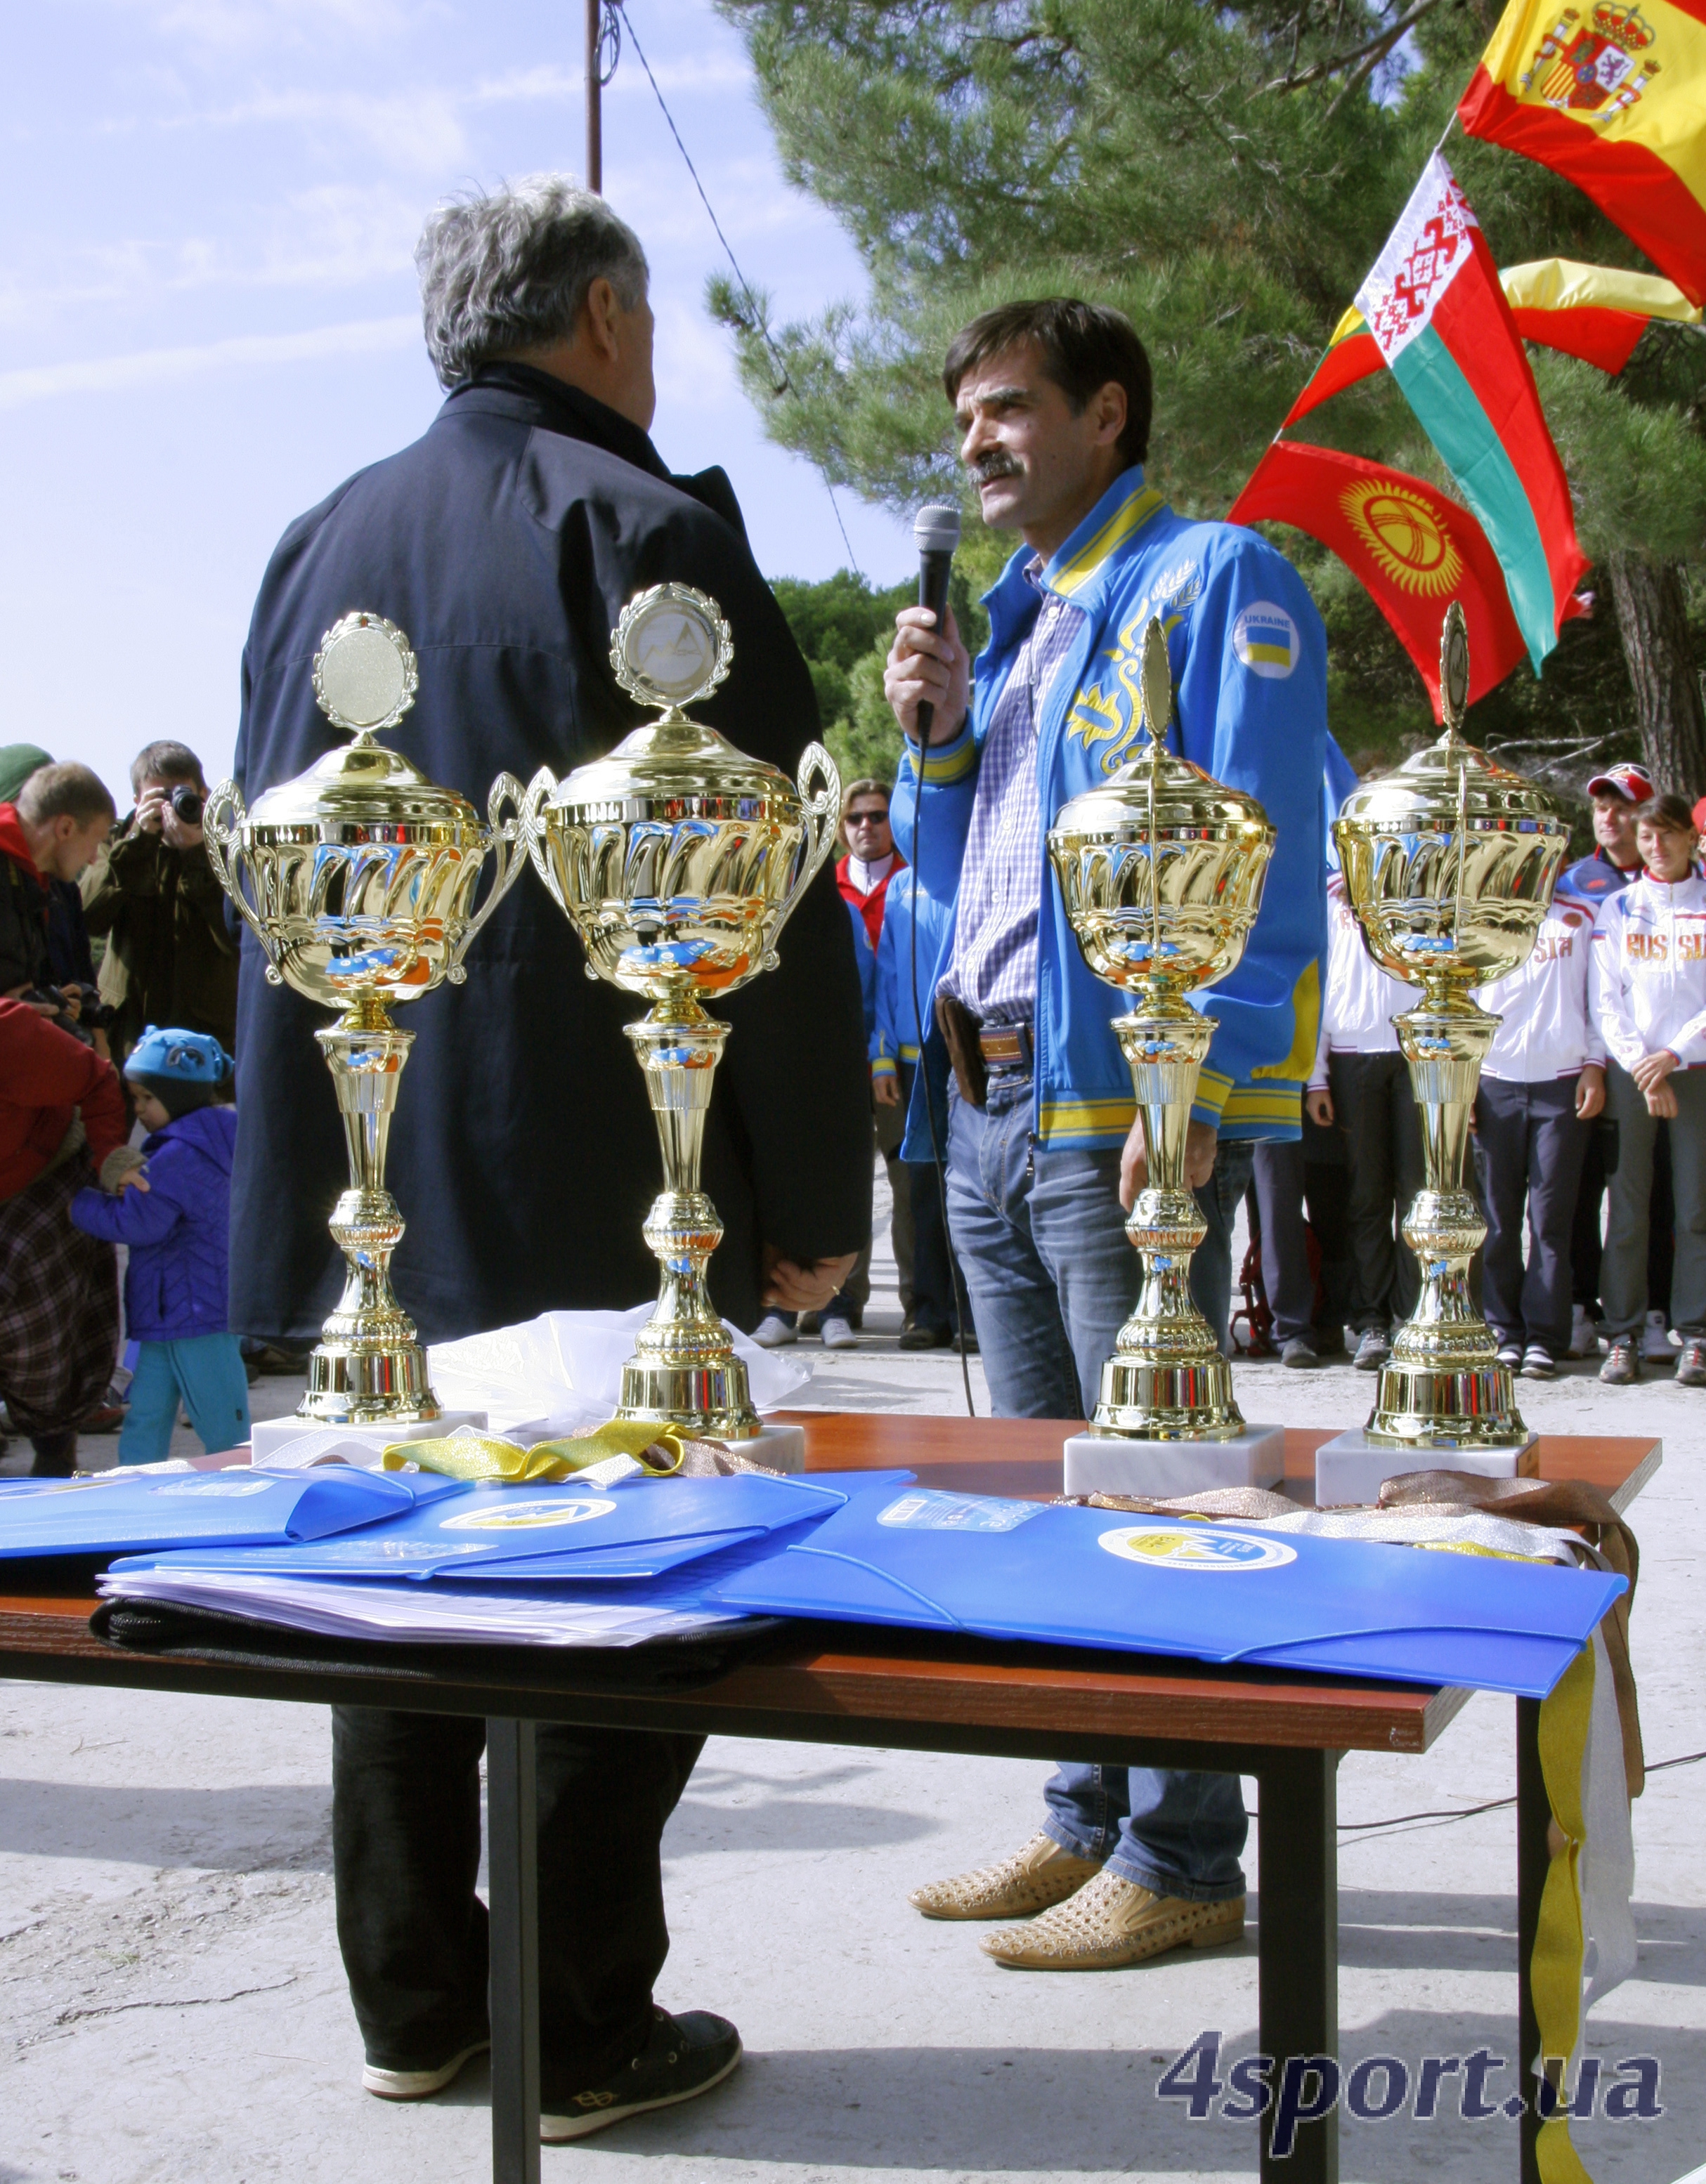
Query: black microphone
(936, 531)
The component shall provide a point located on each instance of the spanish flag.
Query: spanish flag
(1413, 550)
(1597, 313)
(1613, 97)
(1439, 318)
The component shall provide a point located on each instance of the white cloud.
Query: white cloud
(106, 374)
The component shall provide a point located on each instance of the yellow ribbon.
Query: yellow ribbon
(475, 1456)
(1555, 1967)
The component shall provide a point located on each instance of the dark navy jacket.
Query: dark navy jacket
(176, 1282)
(505, 543)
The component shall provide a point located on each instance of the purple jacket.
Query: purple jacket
(179, 1277)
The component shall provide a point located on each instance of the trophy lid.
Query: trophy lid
(1156, 789)
(1450, 777)
(670, 647)
(364, 679)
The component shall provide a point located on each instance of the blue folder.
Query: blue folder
(1086, 1577)
(571, 1532)
(117, 1512)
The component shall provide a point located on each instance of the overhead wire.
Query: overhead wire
(760, 327)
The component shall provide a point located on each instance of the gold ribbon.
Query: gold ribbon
(1554, 1970)
(475, 1456)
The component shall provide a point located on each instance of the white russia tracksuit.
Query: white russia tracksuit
(1647, 991)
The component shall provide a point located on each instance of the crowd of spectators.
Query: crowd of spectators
(114, 1131)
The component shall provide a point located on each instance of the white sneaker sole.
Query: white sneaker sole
(558, 2129)
(416, 2085)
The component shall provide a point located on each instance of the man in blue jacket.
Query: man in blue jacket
(1044, 1146)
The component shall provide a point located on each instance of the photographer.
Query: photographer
(169, 959)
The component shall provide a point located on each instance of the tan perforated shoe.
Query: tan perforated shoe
(1031, 1880)
(1110, 1922)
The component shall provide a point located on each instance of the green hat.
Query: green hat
(17, 761)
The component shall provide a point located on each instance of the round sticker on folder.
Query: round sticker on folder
(526, 1516)
(1198, 1549)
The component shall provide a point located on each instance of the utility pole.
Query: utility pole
(595, 131)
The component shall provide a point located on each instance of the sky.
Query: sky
(209, 315)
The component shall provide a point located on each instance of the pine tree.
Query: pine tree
(1225, 175)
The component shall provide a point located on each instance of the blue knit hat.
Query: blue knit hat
(180, 1058)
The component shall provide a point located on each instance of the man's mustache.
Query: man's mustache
(995, 464)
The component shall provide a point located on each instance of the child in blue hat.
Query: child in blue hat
(170, 1203)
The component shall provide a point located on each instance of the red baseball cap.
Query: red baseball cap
(1633, 783)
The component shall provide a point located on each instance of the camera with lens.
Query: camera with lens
(186, 802)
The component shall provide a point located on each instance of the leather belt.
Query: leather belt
(1005, 1046)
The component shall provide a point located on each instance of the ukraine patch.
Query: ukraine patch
(1264, 638)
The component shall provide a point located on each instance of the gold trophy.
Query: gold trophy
(358, 879)
(1449, 864)
(677, 861)
(1161, 871)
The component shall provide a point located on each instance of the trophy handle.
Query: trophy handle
(224, 816)
(537, 793)
(819, 783)
(505, 838)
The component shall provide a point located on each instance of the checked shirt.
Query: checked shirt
(993, 970)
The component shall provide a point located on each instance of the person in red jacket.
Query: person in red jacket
(62, 1115)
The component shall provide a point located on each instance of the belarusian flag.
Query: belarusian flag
(1597, 313)
(1615, 99)
(1414, 551)
(1444, 331)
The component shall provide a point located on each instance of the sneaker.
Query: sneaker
(1110, 1922)
(416, 2085)
(1372, 1350)
(1584, 1335)
(1655, 1340)
(1299, 1351)
(1033, 1879)
(920, 1336)
(1536, 1362)
(1690, 1366)
(1622, 1362)
(774, 1332)
(1510, 1355)
(837, 1334)
(684, 2057)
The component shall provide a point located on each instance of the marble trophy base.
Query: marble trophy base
(1351, 1468)
(292, 1443)
(782, 1447)
(1121, 1463)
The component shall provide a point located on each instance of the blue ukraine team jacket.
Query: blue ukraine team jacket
(1249, 657)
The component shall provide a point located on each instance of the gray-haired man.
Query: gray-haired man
(506, 541)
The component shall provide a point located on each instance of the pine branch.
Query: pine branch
(1373, 52)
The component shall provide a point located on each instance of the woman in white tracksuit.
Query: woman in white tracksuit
(1648, 990)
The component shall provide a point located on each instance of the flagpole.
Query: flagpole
(595, 133)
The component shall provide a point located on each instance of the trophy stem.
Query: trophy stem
(1166, 1379)
(369, 1367)
(683, 1372)
(1443, 1386)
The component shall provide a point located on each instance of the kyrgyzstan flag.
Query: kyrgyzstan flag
(1444, 331)
(1413, 550)
(1597, 313)
(1615, 99)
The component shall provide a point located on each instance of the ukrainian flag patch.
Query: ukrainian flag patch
(1265, 638)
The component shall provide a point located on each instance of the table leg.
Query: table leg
(1533, 1856)
(512, 1828)
(1299, 1941)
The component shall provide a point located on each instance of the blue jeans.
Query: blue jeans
(1051, 1279)
(204, 1372)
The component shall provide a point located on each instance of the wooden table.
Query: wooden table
(856, 1685)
